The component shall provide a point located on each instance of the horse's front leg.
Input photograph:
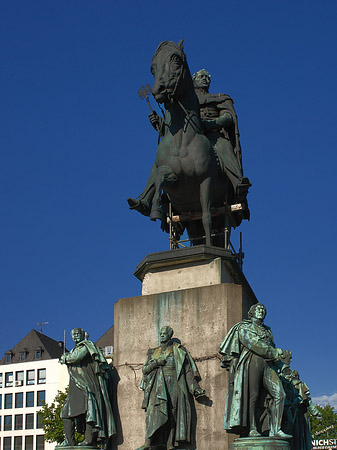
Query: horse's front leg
(205, 201)
(164, 175)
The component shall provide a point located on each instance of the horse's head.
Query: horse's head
(170, 69)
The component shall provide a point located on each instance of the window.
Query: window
(8, 401)
(30, 377)
(7, 443)
(0, 401)
(41, 376)
(9, 379)
(19, 400)
(0, 380)
(41, 397)
(29, 399)
(0, 422)
(18, 422)
(38, 354)
(40, 442)
(108, 350)
(9, 357)
(18, 443)
(23, 356)
(7, 423)
(19, 378)
(38, 421)
(28, 443)
(29, 421)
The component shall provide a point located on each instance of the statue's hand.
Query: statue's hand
(199, 392)
(154, 119)
(161, 361)
(62, 359)
(286, 356)
(224, 120)
(279, 353)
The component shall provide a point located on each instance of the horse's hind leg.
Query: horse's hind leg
(205, 201)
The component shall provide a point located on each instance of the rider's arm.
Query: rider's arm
(225, 120)
(157, 122)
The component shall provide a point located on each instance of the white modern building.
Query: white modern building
(29, 376)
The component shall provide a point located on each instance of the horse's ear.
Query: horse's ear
(180, 44)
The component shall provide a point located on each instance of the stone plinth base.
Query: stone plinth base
(259, 443)
(186, 268)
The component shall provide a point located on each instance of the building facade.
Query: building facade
(29, 376)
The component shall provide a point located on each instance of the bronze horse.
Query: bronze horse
(186, 171)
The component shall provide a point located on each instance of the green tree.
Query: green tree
(52, 422)
(326, 426)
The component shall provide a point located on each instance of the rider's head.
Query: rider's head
(201, 79)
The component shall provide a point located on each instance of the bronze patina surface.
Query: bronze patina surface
(170, 381)
(89, 399)
(253, 362)
(198, 164)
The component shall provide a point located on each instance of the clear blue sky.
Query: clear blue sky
(76, 142)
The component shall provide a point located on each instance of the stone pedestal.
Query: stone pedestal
(260, 443)
(200, 317)
(187, 268)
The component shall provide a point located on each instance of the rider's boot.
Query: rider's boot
(139, 205)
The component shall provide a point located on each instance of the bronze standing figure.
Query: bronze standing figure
(250, 355)
(89, 402)
(170, 380)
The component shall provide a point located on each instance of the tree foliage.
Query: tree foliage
(52, 422)
(321, 428)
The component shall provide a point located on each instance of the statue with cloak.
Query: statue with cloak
(170, 381)
(89, 399)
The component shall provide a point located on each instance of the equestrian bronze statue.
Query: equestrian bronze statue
(197, 174)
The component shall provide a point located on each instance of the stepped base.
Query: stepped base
(259, 443)
(77, 447)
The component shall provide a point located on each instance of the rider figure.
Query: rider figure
(219, 121)
(221, 127)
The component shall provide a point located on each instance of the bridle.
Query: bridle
(171, 99)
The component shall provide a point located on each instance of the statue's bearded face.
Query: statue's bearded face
(260, 312)
(295, 375)
(78, 335)
(287, 373)
(165, 334)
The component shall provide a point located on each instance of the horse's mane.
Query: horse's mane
(171, 44)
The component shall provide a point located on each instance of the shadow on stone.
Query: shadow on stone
(117, 439)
